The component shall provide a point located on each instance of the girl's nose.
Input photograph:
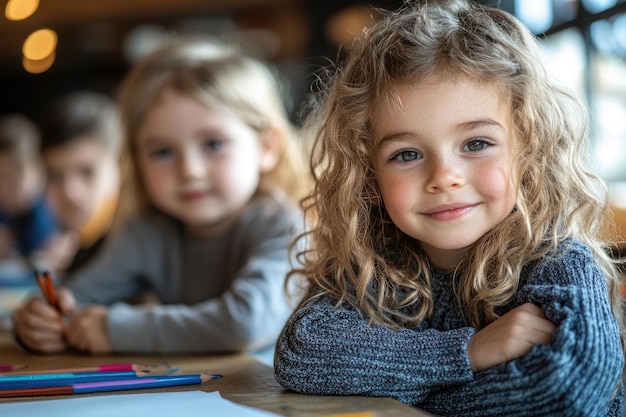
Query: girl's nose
(444, 175)
(193, 165)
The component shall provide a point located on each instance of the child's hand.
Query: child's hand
(509, 337)
(87, 331)
(40, 327)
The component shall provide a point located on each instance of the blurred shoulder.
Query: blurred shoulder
(272, 208)
(149, 225)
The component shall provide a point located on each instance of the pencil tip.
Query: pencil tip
(210, 377)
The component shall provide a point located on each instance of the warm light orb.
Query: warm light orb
(20, 9)
(347, 24)
(38, 66)
(40, 44)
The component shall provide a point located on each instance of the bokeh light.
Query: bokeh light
(40, 44)
(597, 6)
(38, 66)
(20, 9)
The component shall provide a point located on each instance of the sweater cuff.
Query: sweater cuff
(129, 328)
(449, 361)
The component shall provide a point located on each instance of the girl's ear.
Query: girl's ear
(271, 140)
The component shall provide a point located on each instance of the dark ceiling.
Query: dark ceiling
(93, 37)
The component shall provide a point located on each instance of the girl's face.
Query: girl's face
(199, 164)
(444, 162)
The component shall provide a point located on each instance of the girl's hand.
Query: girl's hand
(509, 337)
(87, 331)
(40, 327)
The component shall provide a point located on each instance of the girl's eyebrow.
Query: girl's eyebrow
(391, 137)
(461, 127)
(475, 124)
(154, 140)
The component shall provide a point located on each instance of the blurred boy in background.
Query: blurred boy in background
(27, 225)
(80, 149)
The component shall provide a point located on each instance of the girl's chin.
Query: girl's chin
(206, 227)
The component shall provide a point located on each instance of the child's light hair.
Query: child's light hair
(358, 255)
(210, 72)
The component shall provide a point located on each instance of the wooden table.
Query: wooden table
(246, 381)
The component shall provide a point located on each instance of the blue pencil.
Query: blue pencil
(60, 379)
(104, 386)
(57, 375)
(146, 382)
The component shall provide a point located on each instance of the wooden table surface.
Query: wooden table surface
(245, 381)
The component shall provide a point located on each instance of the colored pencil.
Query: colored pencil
(11, 367)
(111, 367)
(46, 285)
(105, 386)
(54, 380)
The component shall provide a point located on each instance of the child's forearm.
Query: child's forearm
(323, 350)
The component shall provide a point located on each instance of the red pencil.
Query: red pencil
(9, 367)
(35, 392)
(110, 367)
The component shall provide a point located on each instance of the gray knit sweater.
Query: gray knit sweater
(333, 351)
(219, 295)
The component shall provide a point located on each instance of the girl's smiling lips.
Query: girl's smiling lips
(193, 195)
(445, 212)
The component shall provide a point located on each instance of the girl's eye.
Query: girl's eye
(476, 145)
(161, 153)
(214, 144)
(406, 156)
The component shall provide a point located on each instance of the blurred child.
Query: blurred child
(457, 263)
(80, 147)
(212, 178)
(26, 222)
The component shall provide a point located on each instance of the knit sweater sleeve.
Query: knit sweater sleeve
(575, 375)
(328, 350)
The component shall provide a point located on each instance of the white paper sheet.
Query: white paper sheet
(162, 404)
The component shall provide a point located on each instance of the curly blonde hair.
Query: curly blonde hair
(210, 71)
(358, 255)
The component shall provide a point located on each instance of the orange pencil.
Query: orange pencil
(46, 284)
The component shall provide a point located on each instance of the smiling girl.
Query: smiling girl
(457, 262)
(207, 217)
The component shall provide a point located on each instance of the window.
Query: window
(585, 43)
